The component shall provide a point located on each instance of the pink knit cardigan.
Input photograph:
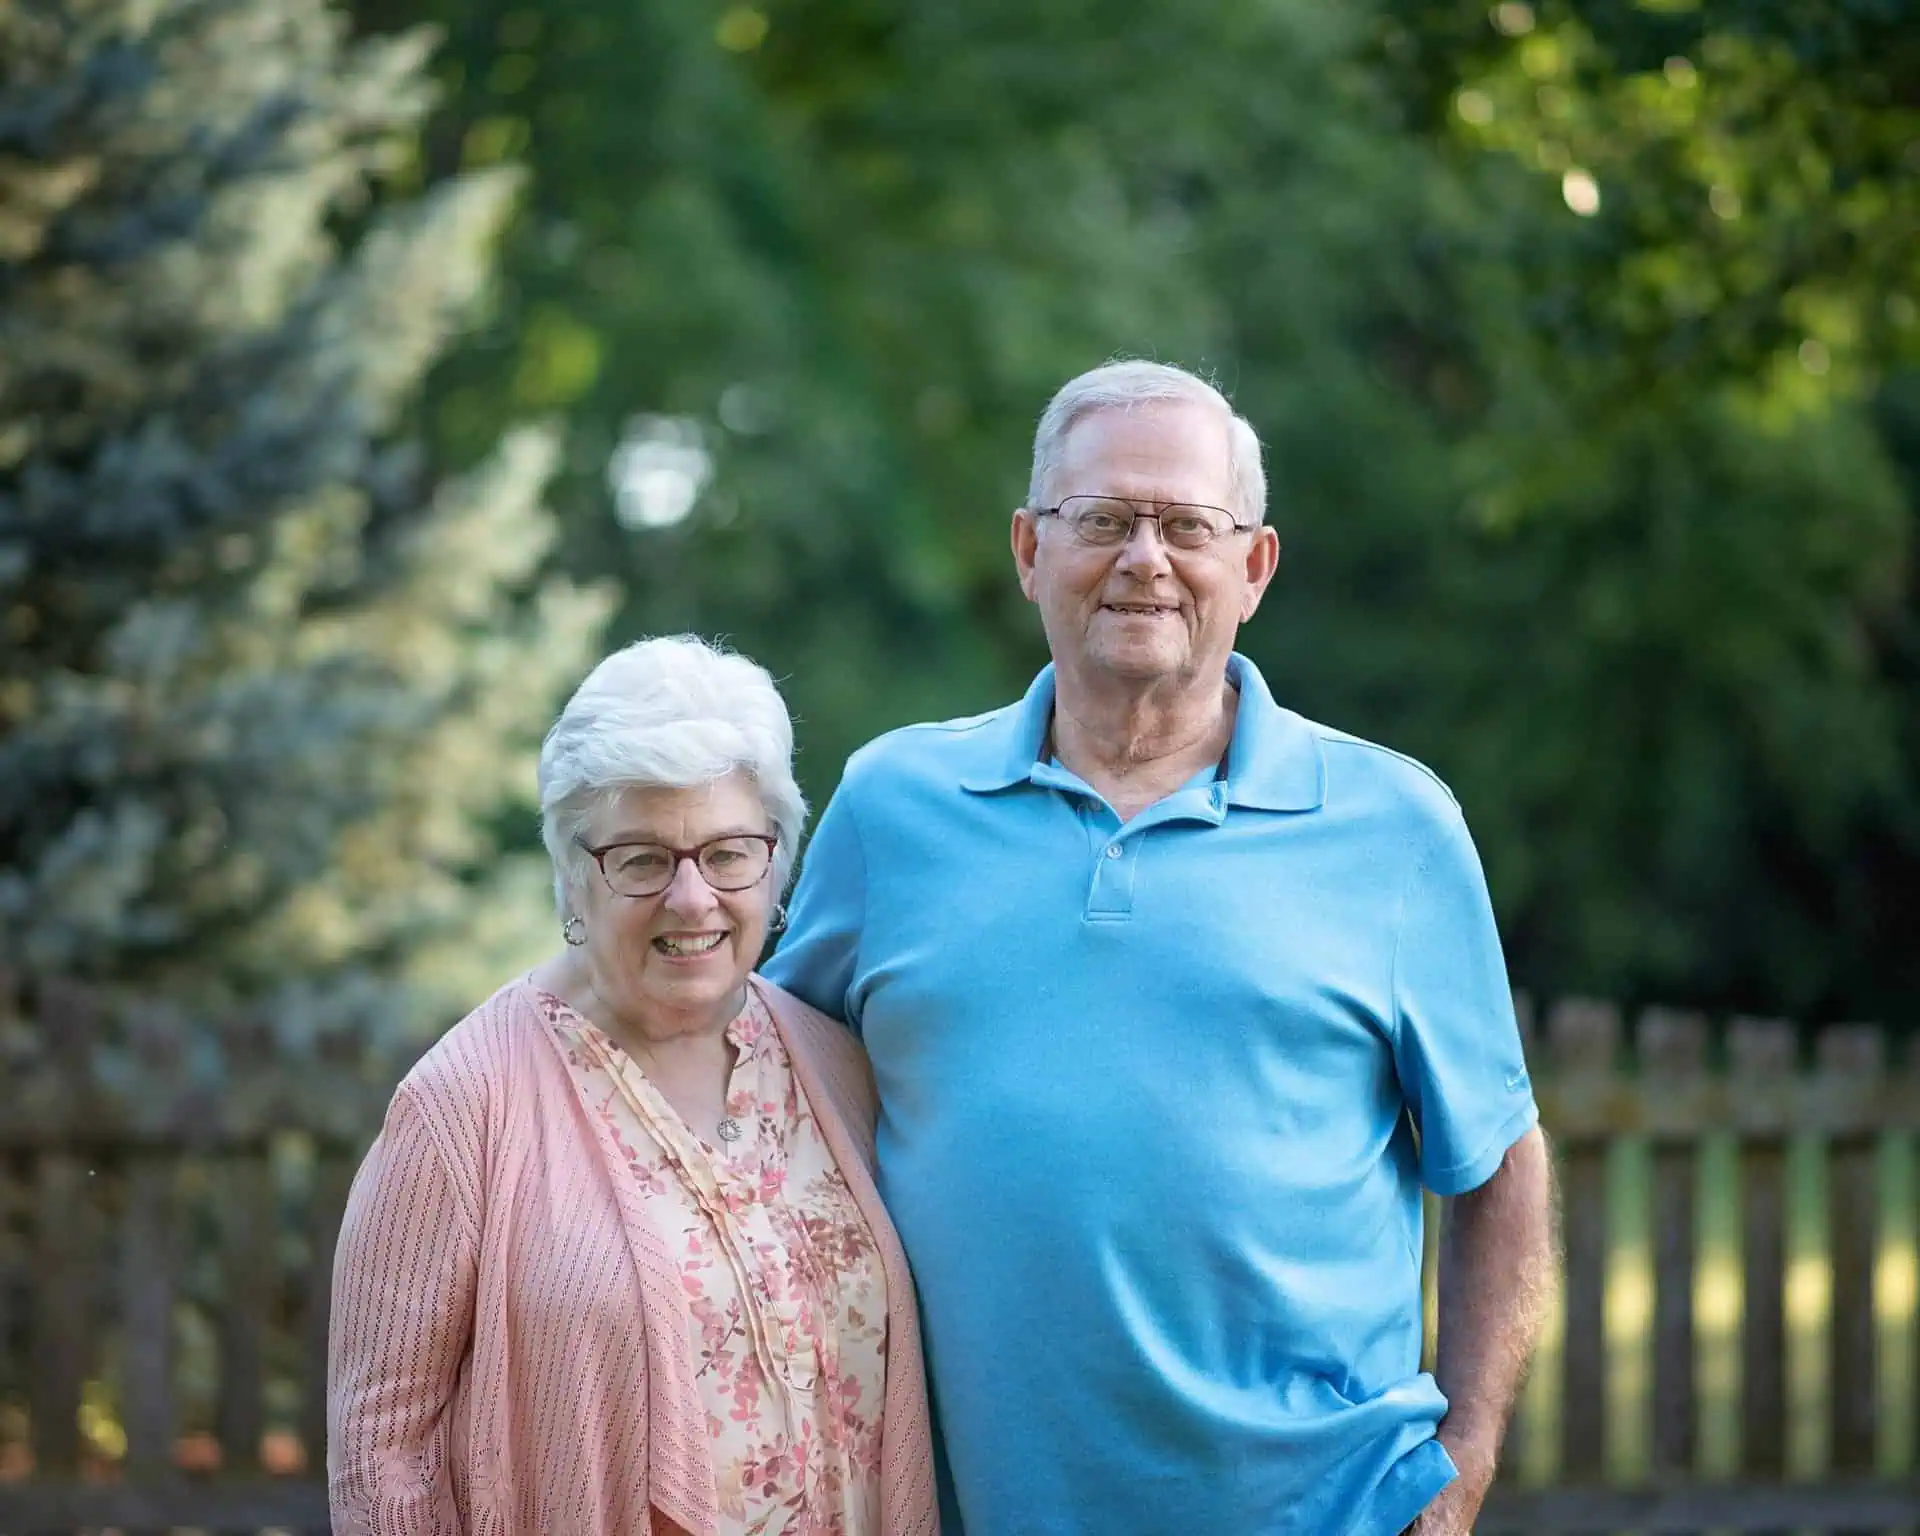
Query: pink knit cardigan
(509, 1351)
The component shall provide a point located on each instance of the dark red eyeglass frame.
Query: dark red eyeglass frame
(680, 855)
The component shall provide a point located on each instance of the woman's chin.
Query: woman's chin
(681, 980)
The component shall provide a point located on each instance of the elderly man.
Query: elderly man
(1175, 1000)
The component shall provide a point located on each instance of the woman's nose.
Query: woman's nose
(689, 890)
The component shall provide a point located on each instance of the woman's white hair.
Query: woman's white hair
(669, 712)
(1130, 382)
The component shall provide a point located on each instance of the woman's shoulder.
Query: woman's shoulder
(463, 1071)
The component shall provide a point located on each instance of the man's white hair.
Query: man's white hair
(669, 712)
(1130, 382)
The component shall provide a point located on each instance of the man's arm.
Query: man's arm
(819, 951)
(1499, 1251)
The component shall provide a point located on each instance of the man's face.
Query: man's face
(1140, 612)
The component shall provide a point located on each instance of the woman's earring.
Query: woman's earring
(574, 931)
(779, 918)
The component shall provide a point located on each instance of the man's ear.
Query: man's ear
(1025, 537)
(1263, 559)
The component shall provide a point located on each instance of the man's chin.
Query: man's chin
(1139, 663)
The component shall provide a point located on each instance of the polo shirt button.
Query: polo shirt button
(1113, 850)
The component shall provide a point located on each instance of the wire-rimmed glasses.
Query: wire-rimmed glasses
(1106, 522)
(734, 863)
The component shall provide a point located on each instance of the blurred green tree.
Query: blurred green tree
(1573, 332)
(1680, 687)
(264, 682)
(820, 264)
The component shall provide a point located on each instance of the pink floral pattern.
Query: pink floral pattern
(783, 1281)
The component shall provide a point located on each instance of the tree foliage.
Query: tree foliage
(265, 681)
(1695, 758)
(1582, 338)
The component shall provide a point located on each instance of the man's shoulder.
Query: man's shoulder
(942, 751)
(1362, 773)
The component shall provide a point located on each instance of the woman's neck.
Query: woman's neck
(645, 1030)
(685, 1055)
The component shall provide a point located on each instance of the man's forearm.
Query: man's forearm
(1499, 1249)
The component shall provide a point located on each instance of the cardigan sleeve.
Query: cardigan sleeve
(402, 1320)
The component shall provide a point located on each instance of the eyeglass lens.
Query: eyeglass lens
(1108, 520)
(726, 863)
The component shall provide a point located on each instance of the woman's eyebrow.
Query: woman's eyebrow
(640, 836)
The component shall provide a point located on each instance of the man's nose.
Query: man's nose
(1144, 545)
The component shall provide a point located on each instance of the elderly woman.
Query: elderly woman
(615, 1264)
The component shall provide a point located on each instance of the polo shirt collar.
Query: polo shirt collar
(1273, 764)
(1011, 750)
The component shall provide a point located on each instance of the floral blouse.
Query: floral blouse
(783, 1281)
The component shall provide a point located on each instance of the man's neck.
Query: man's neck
(1138, 748)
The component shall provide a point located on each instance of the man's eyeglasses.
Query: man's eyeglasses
(646, 869)
(1105, 522)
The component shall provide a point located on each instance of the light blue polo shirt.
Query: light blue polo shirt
(1157, 1103)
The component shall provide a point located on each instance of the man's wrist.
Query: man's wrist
(1475, 1455)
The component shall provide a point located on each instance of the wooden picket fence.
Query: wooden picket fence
(169, 1198)
(1667, 1089)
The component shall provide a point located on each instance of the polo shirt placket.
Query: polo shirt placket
(1116, 847)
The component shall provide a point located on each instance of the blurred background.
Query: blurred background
(366, 371)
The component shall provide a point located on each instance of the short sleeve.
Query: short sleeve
(1457, 1046)
(821, 946)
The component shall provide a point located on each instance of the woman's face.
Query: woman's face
(678, 961)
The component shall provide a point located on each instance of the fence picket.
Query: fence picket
(1761, 1052)
(146, 1314)
(10, 1267)
(1900, 1433)
(1673, 1053)
(1853, 1054)
(248, 1240)
(149, 1252)
(62, 1288)
(16, 1042)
